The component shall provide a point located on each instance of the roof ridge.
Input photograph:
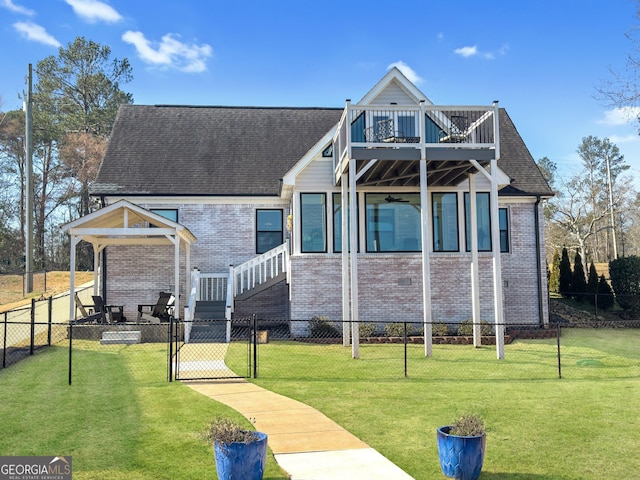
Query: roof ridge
(239, 107)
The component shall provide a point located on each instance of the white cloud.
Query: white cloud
(8, 4)
(170, 52)
(624, 138)
(36, 33)
(466, 51)
(620, 116)
(406, 70)
(472, 51)
(94, 11)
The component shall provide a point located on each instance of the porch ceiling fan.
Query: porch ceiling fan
(391, 199)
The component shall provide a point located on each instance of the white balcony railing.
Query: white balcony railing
(415, 126)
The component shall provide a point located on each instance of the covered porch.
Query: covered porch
(125, 223)
(426, 147)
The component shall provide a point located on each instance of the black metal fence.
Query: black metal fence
(321, 349)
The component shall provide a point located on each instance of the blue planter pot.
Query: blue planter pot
(244, 461)
(460, 457)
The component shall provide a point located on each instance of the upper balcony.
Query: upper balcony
(415, 132)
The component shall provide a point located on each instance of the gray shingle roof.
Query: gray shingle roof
(517, 162)
(175, 150)
(183, 150)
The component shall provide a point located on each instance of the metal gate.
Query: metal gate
(212, 349)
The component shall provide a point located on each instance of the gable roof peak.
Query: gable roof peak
(395, 76)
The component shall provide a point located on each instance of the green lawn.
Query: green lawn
(121, 420)
(583, 426)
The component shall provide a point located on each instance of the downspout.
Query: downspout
(536, 220)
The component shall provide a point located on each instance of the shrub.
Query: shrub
(625, 280)
(466, 328)
(367, 329)
(564, 282)
(592, 284)
(397, 329)
(468, 425)
(578, 280)
(439, 329)
(605, 294)
(225, 431)
(321, 326)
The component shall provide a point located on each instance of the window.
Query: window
(268, 230)
(503, 221)
(393, 222)
(484, 221)
(313, 221)
(328, 152)
(168, 213)
(445, 222)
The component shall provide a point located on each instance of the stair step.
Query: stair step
(206, 310)
(208, 332)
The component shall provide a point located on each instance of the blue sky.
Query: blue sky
(541, 59)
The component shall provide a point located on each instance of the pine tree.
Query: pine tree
(605, 294)
(592, 284)
(578, 281)
(564, 281)
(554, 274)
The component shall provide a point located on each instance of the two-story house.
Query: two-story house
(444, 218)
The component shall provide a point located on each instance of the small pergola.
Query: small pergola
(125, 223)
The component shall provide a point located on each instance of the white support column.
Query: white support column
(346, 316)
(72, 277)
(475, 278)
(96, 268)
(427, 319)
(176, 275)
(187, 269)
(353, 252)
(495, 242)
(295, 231)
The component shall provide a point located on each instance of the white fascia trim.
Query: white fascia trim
(177, 202)
(404, 82)
(289, 179)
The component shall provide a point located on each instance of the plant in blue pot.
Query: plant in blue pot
(239, 453)
(461, 447)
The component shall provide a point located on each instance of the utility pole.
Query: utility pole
(28, 193)
(613, 224)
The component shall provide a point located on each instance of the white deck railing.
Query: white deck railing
(414, 126)
(241, 278)
(260, 269)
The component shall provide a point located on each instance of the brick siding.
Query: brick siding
(390, 285)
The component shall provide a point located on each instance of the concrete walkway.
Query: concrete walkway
(305, 443)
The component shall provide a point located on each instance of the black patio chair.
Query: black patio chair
(110, 313)
(159, 312)
(87, 312)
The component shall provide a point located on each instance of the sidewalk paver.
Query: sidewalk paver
(306, 443)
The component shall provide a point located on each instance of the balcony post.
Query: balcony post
(495, 241)
(353, 252)
(347, 129)
(346, 316)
